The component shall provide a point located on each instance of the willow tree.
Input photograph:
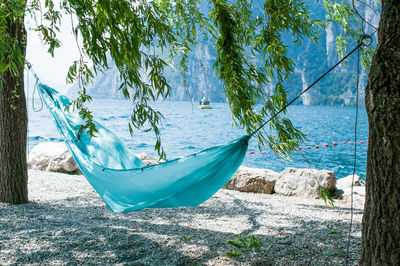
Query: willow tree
(251, 55)
(143, 37)
(13, 113)
(381, 220)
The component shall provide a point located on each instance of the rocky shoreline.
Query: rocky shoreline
(55, 157)
(66, 222)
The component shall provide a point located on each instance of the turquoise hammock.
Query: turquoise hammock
(124, 182)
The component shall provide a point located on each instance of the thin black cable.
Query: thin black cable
(29, 66)
(358, 14)
(360, 43)
(27, 106)
(370, 7)
(355, 162)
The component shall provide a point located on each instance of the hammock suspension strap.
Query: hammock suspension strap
(364, 40)
(35, 88)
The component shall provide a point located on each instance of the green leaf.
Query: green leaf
(247, 243)
(252, 58)
(326, 195)
(338, 232)
(230, 254)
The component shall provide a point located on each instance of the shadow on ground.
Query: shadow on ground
(75, 231)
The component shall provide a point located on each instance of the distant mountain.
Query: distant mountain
(338, 88)
(104, 85)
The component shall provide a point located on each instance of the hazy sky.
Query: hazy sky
(52, 69)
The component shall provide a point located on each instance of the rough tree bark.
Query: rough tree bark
(381, 221)
(13, 127)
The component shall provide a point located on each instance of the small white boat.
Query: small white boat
(205, 106)
(204, 103)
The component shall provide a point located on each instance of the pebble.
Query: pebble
(66, 222)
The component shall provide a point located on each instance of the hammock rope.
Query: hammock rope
(35, 88)
(125, 183)
(364, 40)
(346, 261)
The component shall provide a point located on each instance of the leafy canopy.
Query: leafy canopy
(252, 56)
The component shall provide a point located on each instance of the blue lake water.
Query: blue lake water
(187, 129)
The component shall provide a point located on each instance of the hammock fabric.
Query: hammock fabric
(125, 183)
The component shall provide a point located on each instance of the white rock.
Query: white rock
(304, 182)
(52, 156)
(343, 187)
(345, 182)
(148, 159)
(253, 180)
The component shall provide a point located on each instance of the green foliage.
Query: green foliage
(244, 36)
(142, 37)
(343, 14)
(247, 243)
(366, 57)
(11, 56)
(339, 232)
(49, 21)
(128, 31)
(230, 254)
(338, 84)
(326, 196)
(185, 238)
(11, 44)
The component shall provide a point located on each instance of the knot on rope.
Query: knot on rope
(29, 66)
(365, 40)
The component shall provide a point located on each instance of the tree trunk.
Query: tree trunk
(381, 221)
(13, 126)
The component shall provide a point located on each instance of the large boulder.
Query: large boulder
(148, 159)
(345, 182)
(55, 157)
(253, 180)
(304, 182)
(52, 156)
(343, 188)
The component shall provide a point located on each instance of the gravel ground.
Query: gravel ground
(66, 222)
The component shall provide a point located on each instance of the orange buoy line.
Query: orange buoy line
(318, 146)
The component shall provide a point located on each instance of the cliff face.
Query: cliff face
(338, 88)
(104, 85)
